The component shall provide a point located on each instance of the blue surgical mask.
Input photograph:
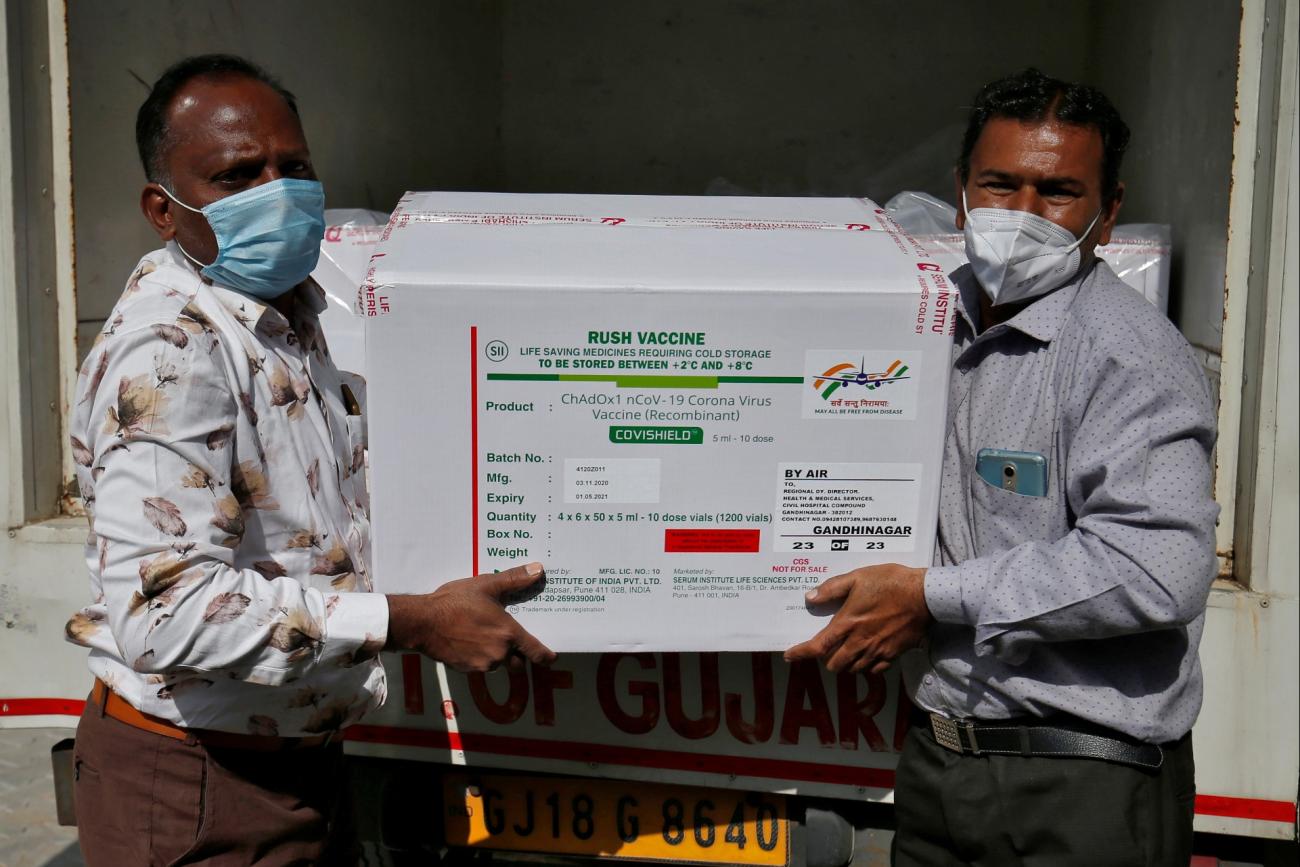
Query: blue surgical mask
(268, 237)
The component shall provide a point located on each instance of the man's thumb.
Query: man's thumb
(513, 579)
(831, 590)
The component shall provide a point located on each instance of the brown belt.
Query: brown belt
(121, 710)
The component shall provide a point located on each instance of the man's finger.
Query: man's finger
(533, 649)
(510, 580)
(464, 666)
(881, 666)
(816, 647)
(831, 590)
(515, 660)
(844, 657)
(803, 650)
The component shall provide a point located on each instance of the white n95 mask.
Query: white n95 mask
(1017, 255)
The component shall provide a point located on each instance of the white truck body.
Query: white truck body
(765, 728)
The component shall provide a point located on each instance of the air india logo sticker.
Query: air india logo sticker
(858, 384)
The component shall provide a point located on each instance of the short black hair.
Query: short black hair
(1030, 95)
(151, 120)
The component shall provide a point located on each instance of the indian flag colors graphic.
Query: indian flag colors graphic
(861, 384)
(845, 373)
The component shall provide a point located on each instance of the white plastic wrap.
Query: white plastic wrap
(350, 236)
(1138, 252)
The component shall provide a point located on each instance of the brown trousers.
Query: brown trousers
(146, 799)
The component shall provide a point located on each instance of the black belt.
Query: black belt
(1060, 738)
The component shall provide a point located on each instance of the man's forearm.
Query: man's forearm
(1080, 587)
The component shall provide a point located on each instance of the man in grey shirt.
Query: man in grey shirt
(1052, 646)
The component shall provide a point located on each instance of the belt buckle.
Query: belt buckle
(948, 732)
(945, 732)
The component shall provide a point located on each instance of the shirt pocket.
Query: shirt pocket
(356, 432)
(357, 459)
(1003, 519)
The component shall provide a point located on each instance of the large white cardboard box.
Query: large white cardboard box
(691, 410)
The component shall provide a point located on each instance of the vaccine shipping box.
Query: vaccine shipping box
(691, 410)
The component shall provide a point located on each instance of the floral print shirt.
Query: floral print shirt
(224, 477)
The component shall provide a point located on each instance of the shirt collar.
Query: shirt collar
(257, 315)
(1041, 320)
(248, 308)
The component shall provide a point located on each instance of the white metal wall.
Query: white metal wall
(394, 96)
(840, 98)
(663, 96)
(1172, 73)
(505, 95)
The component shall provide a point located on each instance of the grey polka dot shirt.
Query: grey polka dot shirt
(1088, 601)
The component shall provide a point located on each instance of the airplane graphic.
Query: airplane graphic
(847, 374)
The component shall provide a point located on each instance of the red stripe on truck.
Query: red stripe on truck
(1246, 808)
(41, 706)
(641, 757)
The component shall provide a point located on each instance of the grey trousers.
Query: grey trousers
(1006, 811)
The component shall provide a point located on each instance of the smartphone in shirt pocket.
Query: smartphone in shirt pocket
(1022, 473)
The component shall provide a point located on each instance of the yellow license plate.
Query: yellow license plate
(612, 819)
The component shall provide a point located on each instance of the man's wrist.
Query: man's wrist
(399, 622)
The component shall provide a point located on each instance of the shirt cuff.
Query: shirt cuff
(943, 593)
(955, 594)
(357, 623)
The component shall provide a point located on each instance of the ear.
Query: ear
(958, 186)
(156, 207)
(1110, 215)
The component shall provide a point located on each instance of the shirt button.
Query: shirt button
(929, 679)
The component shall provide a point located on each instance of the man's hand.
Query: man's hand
(464, 624)
(883, 613)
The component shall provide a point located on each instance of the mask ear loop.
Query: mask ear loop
(1091, 226)
(195, 262)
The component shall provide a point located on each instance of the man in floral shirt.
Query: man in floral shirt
(232, 632)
